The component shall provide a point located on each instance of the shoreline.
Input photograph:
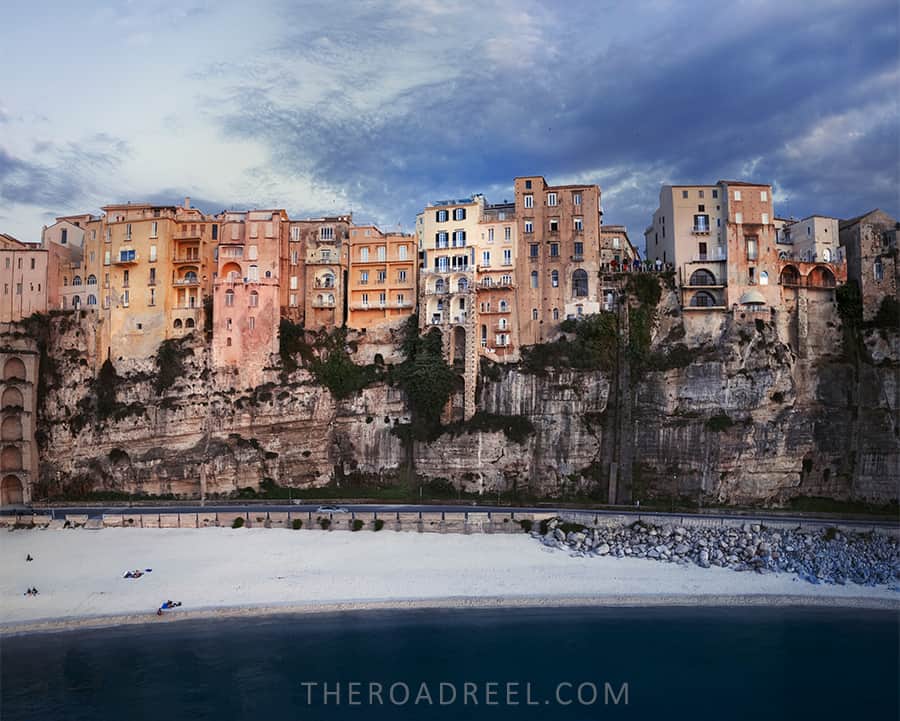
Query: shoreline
(762, 600)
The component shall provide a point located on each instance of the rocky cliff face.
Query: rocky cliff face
(736, 409)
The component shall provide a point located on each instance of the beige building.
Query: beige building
(495, 283)
(382, 276)
(558, 264)
(19, 363)
(812, 239)
(870, 242)
(24, 269)
(324, 285)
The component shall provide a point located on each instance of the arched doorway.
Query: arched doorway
(790, 276)
(14, 368)
(11, 459)
(12, 398)
(11, 429)
(11, 491)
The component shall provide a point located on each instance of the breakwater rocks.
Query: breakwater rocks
(826, 556)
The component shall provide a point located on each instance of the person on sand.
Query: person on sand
(28, 557)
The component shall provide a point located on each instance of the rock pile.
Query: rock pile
(826, 556)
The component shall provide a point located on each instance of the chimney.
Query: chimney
(187, 202)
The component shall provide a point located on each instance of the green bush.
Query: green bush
(720, 422)
(296, 524)
(645, 287)
(544, 526)
(237, 522)
(849, 303)
(888, 315)
(378, 524)
(592, 348)
(426, 378)
(169, 364)
(105, 389)
(324, 523)
(527, 524)
(357, 525)
(516, 428)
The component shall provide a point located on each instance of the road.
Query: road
(99, 511)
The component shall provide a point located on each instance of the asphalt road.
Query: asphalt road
(99, 511)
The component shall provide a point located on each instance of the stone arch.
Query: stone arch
(14, 368)
(11, 491)
(702, 276)
(821, 277)
(76, 280)
(462, 285)
(790, 276)
(92, 279)
(703, 299)
(11, 459)
(11, 429)
(12, 398)
(189, 323)
(232, 271)
(91, 299)
(439, 285)
(177, 323)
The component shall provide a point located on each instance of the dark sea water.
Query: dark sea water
(703, 663)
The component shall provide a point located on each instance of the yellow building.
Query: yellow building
(382, 277)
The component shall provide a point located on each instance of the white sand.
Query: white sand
(221, 571)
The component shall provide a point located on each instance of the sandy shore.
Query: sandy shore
(217, 572)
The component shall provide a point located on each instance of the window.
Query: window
(401, 299)
(764, 278)
(551, 199)
(554, 279)
(752, 250)
(486, 258)
(229, 298)
(382, 298)
(765, 218)
(364, 255)
(580, 283)
(529, 201)
(764, 195)
(579, 249)
(401, 252)
(505, 280)
(292, 300)
(826, 255)
(442, 216)
(616, 243)
(126, 255)
(251, 323)
(254, 299)
(152, 300)
(528, 185)
(459, 238)
(382, 276)
(576, 198)
(490, 235)
(554, 225)
(738, 218)
(878, 270)
(504, 306)
(737, 194)
(228, 342)
(363, 277)
(534, 279)
(556, 314)
(326, 232)
(63, 236)
(125, 298)
(554, 250)
(152, 280)
(215, 232)
(154, 227)
(459, 214)
(442, 239)
(127, 231)
(382, 252)
(295, 257)
(294, 282)
(152, 253)
(701, 223)
(365, 299)
(507, 256)
(529, 226)
(534, 314)
(715, 193)
(533, 250)
(579, 225)
(252, 252)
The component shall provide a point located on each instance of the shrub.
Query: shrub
(324, 523)
(645, 287)
(516, 428)
(378, 524)
(426, 378)
(888, 315)
(849, 302)
(527, 524)
(169, 365)
(296, 524)
(357, 524)
(592, 348)
(105, 389)
(544, 526)
(237, 522)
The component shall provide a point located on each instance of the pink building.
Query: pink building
(246, 310)
(24, 271)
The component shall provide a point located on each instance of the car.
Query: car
(332, 509)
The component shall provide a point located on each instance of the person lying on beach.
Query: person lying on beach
(133, 574)
(28, 557)
(31, 592)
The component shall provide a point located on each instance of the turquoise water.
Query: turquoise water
(703, 663)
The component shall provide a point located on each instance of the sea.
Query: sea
(565, 663)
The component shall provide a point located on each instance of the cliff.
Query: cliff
(736, 408)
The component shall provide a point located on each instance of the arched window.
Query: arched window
(504, 306)
(579, 311)
(268, 274)
(826, 255)
(703, 299)
(229, 298)
(228, 342)
(764, 278)
(12, 398)
(790, 276)
(702, 277)
(92, 299)
(76, 301)
(580, 283)
(254, 299)
(177, 323)
(462, 285)
(76, 280)
(439, 285)
(190, 276)
(331, 298)
(232, 272)
(327, 281)
(92, 280)
(534, 279)
(14, 369)
(503, 324)
(554, 279)
(320, 299)
(821, 277)
(534, 314)
(556, 314)
(189, 323)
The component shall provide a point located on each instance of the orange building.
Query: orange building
(382, 278)
(495, 283)
(325, 271)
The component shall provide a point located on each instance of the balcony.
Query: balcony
(188, 234)
(125, 259)
(193, 259)
(501, 328)
(186, 282)
(700, 230)
(578, 258)
(323, 284)
(323, 303)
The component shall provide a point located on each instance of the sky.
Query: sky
(380, 108)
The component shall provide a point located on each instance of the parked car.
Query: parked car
(332, 509)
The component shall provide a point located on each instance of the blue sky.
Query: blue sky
(382, 107)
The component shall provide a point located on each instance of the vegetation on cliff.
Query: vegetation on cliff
(592, 346)
(169, 364)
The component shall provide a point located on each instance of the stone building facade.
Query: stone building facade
(870, 244)
(325, 272)
(18, 418)
(382, 277)
(24, 271)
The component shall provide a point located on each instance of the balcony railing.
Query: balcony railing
(129, 259)
(187, 259)
(187, 234)
(323, 304)
(186, 282)
(700, 230)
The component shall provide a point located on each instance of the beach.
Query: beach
(226, 572)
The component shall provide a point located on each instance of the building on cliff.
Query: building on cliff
(326, 241)
(812, 239)
(495, 283)
(74, 272)
(25, 274)
(870, 244)
(19, 363)
(382, 277)
(246, 295)
(557, 273)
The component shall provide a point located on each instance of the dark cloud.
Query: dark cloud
(705, 94)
